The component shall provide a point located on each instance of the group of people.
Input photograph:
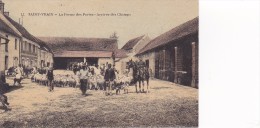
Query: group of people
(84, 71)
(100, 69)
(20, 74)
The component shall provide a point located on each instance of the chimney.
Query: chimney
(2, 6)
(6, 13)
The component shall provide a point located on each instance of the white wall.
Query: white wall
(12, 52)
(38, 57)
(2, 54)
(104, 60)
(121, 64)
(48, 58)
(29, 56)
(143, 42)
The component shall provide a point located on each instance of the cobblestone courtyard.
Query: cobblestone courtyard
(166, 105)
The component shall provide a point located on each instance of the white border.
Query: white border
(229, 64)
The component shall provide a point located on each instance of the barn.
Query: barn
(173, 56)
(69, 50)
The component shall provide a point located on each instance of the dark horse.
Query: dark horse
(140, 74)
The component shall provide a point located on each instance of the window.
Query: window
(15, 45)
(6, 62)
(34, 49)
(6, 45)
(30, 48)
(27, 47)
(25, 43)
(21, 45)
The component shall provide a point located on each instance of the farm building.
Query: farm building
(23, 48)
(9, 52)
(133, 46)
(173, 56)
(69, 50)
(27, 49)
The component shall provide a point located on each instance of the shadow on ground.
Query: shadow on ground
(13, 88)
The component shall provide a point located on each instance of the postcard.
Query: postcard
(99, 63)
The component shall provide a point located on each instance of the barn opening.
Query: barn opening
(69, 50)
(65, 62)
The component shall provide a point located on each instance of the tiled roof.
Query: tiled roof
(83, 54)
(131, 43)
(3, 37)
(120, 53)
(42, 44)
(26, 34)
(80, 44)
(4, 27)
(188, 28)
(21, 29)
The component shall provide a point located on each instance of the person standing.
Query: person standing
(34, 71)
(141, 64)
(106, 66)
(102, 69)
(109, 78)
(83, 80)
(19, 74)
(50, 79)
(74, 68)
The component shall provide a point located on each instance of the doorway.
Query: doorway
(6, 62)
(147, 63)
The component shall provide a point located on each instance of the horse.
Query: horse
(143, 75)
(140, 74)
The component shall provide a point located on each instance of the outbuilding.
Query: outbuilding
(70, 50)
(173, 56)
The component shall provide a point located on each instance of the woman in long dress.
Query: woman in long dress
(18, 76)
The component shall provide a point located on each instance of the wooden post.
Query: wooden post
(164, 66)
(1, 56)
(176, 68)
(193, 48)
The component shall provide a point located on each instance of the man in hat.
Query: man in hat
(109, 78)
(83, 80)
(141, 64)
(50, 77)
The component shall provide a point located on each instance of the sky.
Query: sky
(150, 17)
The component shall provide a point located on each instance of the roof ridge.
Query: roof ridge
(10, 25)
(74, 37)
(170, 32)
(25, 33)
(132, 42)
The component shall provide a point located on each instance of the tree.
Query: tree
(114, 35)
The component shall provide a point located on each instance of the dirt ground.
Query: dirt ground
(166, 105)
